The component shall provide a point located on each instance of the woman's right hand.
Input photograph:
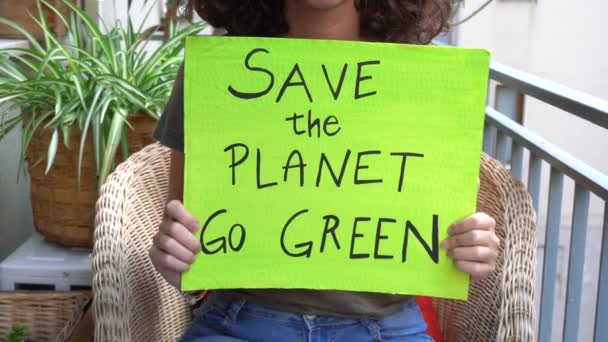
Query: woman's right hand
(174, 247)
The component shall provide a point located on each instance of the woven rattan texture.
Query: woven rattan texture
(133, 303)
(501, 307)
(46, 316)
(131, 300)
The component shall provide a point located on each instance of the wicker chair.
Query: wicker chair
(133, 303)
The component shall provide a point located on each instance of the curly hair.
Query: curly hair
(397, 21)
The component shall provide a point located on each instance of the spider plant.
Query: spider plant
(93, 79)
(17, 334)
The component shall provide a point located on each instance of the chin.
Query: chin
(323, 4)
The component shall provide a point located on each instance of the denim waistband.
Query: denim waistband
(232, 306)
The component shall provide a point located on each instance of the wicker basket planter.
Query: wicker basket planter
(46, 316)
(19, 11)
(64, 207)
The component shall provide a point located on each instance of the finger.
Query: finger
(177, 211)
(496, 240)
(171, 246)
(182, 235)
(477, 221)
(471, 239)
(475, 269)
(475, 254)
(172, 277)
(162, 260)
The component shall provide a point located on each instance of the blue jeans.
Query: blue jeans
(227, 319)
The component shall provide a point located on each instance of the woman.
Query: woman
(307, 315)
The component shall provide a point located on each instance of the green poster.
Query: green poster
(330, 165)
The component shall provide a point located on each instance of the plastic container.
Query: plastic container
(42, 265)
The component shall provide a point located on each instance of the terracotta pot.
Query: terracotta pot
(64, 207)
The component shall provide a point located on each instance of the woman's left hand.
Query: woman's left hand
(473, 245)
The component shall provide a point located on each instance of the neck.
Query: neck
(339, 23)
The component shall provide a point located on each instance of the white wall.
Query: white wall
(561, 41)
(566, 42)
(16, 222)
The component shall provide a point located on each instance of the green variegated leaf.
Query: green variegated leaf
(52, 151)
(112, 142)
(33, 41)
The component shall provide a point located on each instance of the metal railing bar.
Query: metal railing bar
(534, 174)
(502, 144)
(549, 280)
(489, 139)
(517, 160)
(583, 105)
(601, 311)
(576, 263)
(579, 171)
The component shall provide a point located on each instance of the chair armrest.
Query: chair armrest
(132, 302)
(500, 307)
(110, 292)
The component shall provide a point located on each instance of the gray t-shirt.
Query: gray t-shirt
(170, 132)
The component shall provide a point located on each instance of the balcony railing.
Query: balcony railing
(525, 153)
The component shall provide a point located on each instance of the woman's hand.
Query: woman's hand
(473, 245)
(174, 247)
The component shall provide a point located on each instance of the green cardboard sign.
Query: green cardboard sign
(329, 164)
